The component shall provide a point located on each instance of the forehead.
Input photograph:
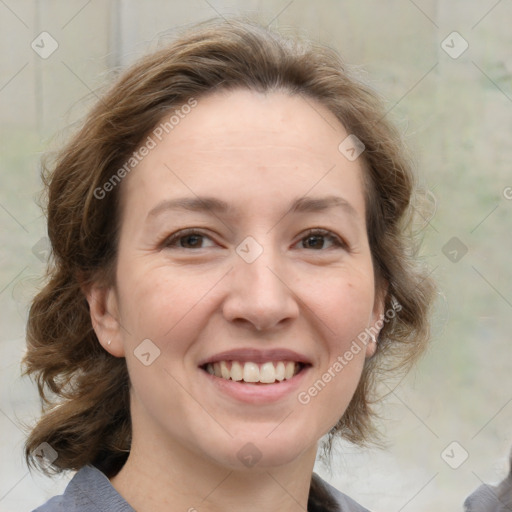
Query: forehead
(244, 120)
(241, 144)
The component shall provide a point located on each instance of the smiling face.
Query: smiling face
(243, 256)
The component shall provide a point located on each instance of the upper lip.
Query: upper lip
(257, 356)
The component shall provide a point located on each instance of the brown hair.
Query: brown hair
(84, 389)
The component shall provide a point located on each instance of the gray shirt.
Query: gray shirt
(490, 498)
(91, 491)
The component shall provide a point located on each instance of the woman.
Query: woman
(232, 273)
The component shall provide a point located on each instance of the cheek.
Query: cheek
(172, 310)
(344, 305)
(155, 302)
(344, 308)
(162, 315)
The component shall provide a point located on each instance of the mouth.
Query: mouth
(255, 376)
(251, 372)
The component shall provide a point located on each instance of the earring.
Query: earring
(109, 342)
(374, 339)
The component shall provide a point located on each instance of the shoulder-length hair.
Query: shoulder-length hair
(84, 389)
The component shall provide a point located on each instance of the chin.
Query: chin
(257, 449)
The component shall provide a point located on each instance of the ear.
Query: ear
(103, 307)
(377, 317)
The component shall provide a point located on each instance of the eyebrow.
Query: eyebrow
(194, 204)
(214, 205)
(311, 204)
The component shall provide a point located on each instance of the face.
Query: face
(244, 275)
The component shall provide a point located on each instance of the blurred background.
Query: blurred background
(444, 69)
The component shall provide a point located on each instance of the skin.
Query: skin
(258, 153)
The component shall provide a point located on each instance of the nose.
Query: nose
(260, 296)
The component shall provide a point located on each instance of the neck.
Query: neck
(176, 479)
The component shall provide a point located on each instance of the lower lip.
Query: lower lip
(257, 393)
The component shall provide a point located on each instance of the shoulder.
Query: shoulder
(88, 491)
(488, 498)
(91, 491)
(323, 497)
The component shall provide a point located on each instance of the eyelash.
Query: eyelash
(173, 240)
(335, 239)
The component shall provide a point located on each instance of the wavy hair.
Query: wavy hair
(85, 390)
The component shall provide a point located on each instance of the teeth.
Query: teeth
(251, 372)
(266, 373)
(237, 372)
(289, 369)
(224, 370)
(280, 371)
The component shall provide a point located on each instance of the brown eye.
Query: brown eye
(191, 241)
(314, 242)
(321, 240)
(188, 240)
